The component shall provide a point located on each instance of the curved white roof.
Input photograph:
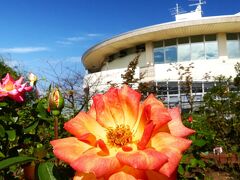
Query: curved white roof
(93, 58)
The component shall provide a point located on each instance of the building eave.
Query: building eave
(93, 58)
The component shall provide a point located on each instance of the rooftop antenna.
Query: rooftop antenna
(198, 4)
(177, 10)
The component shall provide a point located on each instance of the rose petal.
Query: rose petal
(172, 147)
(92, 162)
(129, 172)
(101, 144)
(153, 175)
(174, 158)
(176, 126)
(85, 176)
(130, 101)
(122, 175)
(92, 111)
(7, 81)
(156, 112)
(108, 108)
(142, 159)
(146, 136)
(19, 81)
(85, 128)
(17, 97)
(69, 149)
(164, 140)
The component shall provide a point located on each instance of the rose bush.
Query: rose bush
(123, 138)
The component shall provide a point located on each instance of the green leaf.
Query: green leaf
(45, 171)
(2, 155)
(31, 127)
(2, 131)
(199, 142)
(15, 160)
(11, 135)
(3, 104)
(193, 162)
(180, 169)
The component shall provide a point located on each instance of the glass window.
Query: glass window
(195, 39)
(162, 88)
(211, 48)
(158, 44)
(233, 44)
(183, 40)
(170, 42)
(197, 47)
(197, 87)
(183, 52)
(197, 51)
(208, 86)
(233, 49)
(232, 36)
(210, 37)
(158, 55)
(171, 54)
(173, 87)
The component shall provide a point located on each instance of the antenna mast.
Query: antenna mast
(177, 10)
(198, 4)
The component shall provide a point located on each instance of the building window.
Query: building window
(170, 50)
(186, 48)
(158, 52)
(197, 47)
(183, 49)
(171, 54)
(211, 47)
(233, 45)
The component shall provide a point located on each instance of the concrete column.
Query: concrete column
(222, 46)
(149, 53)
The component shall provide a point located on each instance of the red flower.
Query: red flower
(122, 138)
(190, 119)
(13, 89)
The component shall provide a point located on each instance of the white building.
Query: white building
(212, 44)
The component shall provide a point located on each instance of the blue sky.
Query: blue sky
(37, 34)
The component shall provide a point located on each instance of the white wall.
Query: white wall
(122, 62)
(217, 67)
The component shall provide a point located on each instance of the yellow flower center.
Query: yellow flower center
(9, 86)
(119, 136)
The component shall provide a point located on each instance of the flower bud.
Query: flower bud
(33, 79)
(190, 119)
(55, 102)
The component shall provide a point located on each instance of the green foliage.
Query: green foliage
(25, 132)
(221, 106)
(4, 69)
(192, 165)
(218, 124)
(45, 171)
(14, 160)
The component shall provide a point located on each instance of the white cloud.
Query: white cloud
(94, 35)
(76, 39)
(64, 42)
(22, 50)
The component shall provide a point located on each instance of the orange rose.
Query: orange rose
(122, 138)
